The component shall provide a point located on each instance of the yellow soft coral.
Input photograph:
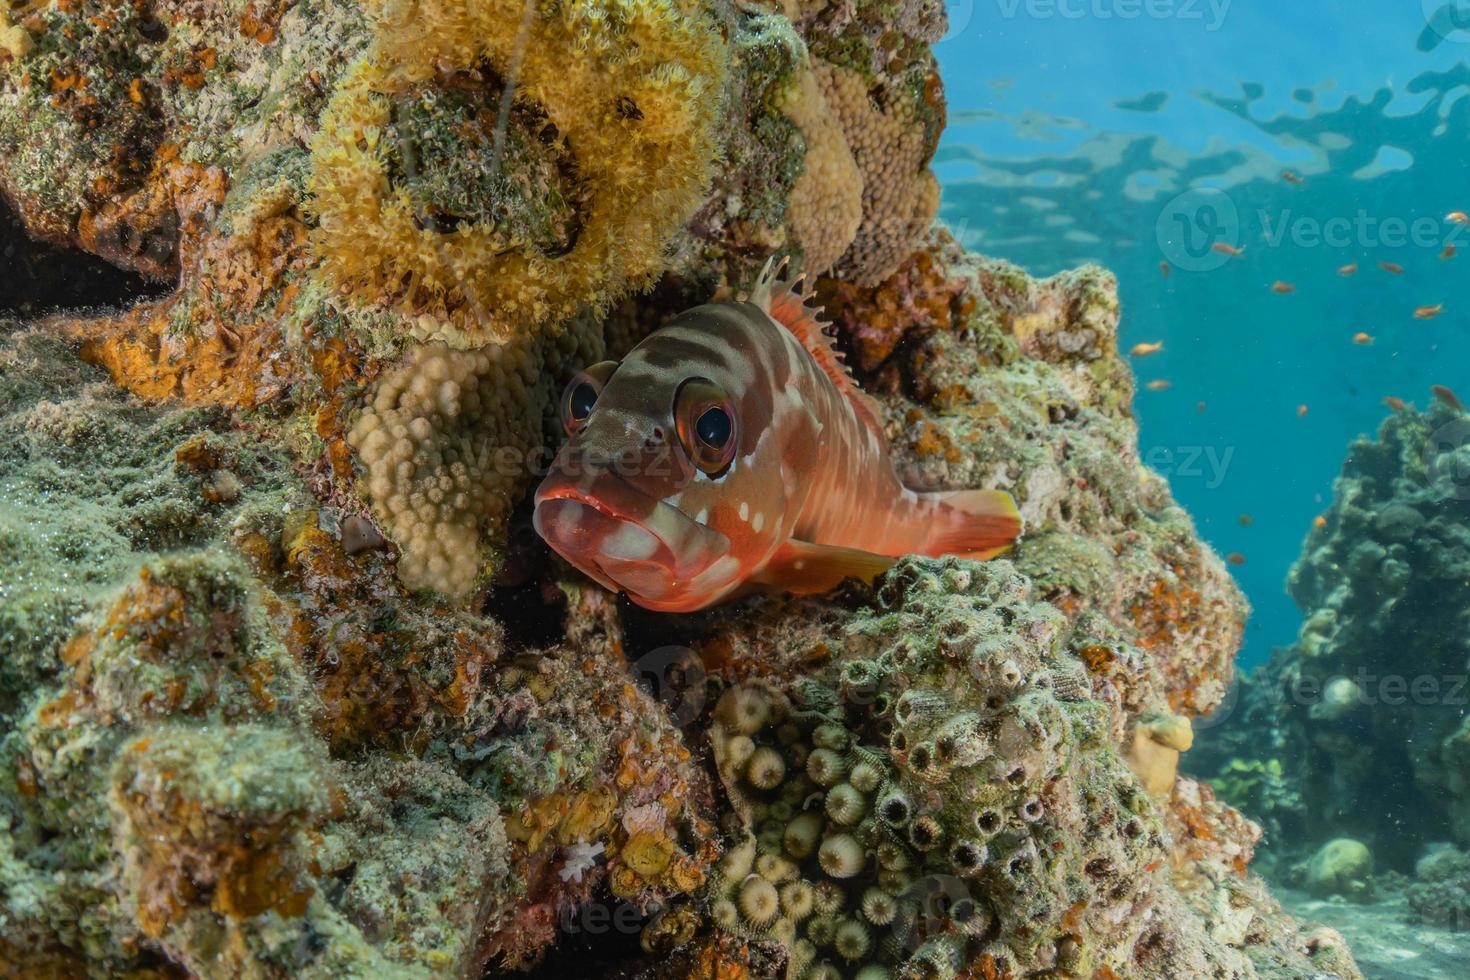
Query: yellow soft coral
(633, 90)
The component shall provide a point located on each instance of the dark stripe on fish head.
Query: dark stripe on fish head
(624, 502)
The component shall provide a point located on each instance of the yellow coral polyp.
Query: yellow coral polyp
(15, 41)
(634, 89)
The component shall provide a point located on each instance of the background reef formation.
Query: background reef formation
(1370, 702)
(260, 721)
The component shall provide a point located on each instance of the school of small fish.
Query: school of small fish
(1361, 338)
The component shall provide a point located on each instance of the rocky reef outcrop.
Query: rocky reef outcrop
(288, 687)
(1370, 702)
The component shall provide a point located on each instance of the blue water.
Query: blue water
(1075, 129)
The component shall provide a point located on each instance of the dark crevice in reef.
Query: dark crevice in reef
(600, 940)
(37, 278)
(524, 598)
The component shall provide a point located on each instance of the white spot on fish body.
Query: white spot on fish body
(759, 522)
(717, 574)
(630, 542)
(744, 510)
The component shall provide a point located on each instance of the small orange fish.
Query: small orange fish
(1391, 267)
(1146, 350)
(1159, 385)
(1165, 269)
(1235, 558)
(1246, 520)
(1301, 411)
(1458, 218)
(1363, 339)
(1225, 248)
(1319, 521)
(729, 452)
(1447, 397)
(1282, 288)
(1351, 269)
(1397, 404)
(1449, 252)
(1199, 408)
(1428, 312)
(1292, 177)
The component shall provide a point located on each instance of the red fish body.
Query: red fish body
(730, 451)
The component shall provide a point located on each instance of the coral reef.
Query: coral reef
(208, 704)
(333, 185)
(1369, 702)
(940, 803)
(1340, 867)
(1440, 891)
(286, 692)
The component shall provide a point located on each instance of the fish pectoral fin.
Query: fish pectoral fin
(802, 568)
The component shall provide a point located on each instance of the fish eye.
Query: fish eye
(580, 401)
(705, 418)
(714, 427)
(581, 394)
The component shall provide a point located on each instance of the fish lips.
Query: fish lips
(625, 540)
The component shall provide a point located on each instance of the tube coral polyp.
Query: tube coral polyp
(632, 91)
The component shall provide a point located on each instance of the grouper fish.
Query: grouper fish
(730, 452)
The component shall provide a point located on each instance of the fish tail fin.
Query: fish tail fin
(976, 524)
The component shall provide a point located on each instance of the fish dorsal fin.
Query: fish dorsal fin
(785, 300)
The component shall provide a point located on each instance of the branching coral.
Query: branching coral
(613, 113)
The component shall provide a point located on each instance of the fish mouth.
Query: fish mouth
(625, 540)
